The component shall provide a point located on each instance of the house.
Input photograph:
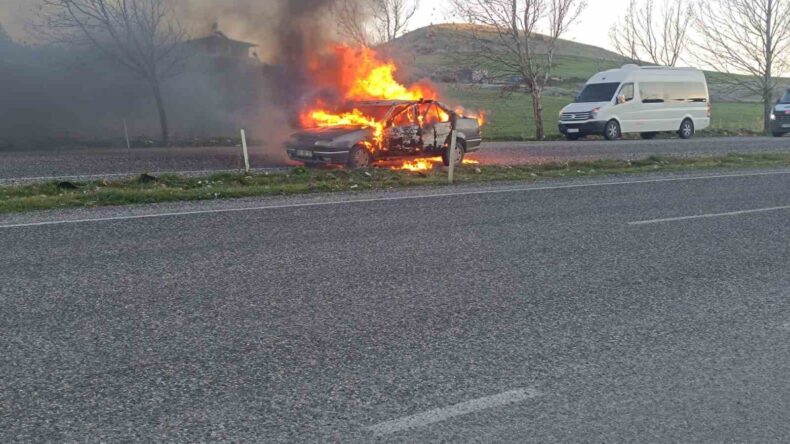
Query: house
(219, 45)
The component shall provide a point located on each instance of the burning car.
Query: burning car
(368, 131)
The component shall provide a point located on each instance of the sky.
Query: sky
(591, 28)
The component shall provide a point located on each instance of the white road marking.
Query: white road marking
(390, 199)
(709, 216)
(91, 177)
(445, 413)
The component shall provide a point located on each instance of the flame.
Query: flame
(427, 164)
(418, 165)
(323, 119)
(359, 74)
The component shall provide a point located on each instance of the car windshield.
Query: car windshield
(786, 98)
(597, 92)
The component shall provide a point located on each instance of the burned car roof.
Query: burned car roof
(393, 102)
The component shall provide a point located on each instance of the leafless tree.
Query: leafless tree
(392, 17)
(646, 34)
(509, 39)
(353, 20)
(141, 35)
(749, 41)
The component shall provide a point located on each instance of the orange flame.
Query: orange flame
(360, 74)
(357, 74)
(418, 165)
(427, 164)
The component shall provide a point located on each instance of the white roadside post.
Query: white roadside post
(451, 156)
(246, 153)
(126, 133)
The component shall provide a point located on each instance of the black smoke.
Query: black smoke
(57, 95)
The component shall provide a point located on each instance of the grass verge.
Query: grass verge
(171, 188)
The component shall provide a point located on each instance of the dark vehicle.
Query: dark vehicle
(780, 116)
(411, 129)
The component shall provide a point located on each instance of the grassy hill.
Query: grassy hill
(439, 52)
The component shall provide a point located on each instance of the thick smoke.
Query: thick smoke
(54, 94)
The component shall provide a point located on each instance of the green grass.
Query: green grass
(170, 188)
(509, 116)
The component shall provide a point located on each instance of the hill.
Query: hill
(438, 51)
(446, 54)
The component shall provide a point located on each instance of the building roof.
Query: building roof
(218, 37)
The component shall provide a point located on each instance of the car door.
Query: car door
(436, 126)
(404, 135)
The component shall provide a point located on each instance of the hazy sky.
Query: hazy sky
(591, 28)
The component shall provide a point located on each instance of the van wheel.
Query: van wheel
(359, 157)
(612, 130)
(686, 130)
(649, 136)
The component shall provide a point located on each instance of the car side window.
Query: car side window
(627, 91)
(406, 118)
(432, 115)
(442, 115)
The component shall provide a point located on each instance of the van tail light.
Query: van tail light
(710, 110)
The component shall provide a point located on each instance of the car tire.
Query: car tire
(778, 134)
(686, 130)
(573, 137)
(648, 136)
(460, 151)
(360, 158)
(612, 130)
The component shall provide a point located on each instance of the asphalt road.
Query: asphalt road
(105, 162)
(552, 312)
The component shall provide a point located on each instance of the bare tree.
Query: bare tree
(749, 41)
(509, 39)
(353, 17)
(659, 37)
(140, 35)
(392, 17)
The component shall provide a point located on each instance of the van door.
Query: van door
(625, 108)
(652, 107)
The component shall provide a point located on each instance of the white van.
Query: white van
(633, 99)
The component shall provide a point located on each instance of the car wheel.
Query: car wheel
(612, 130)
(686, 130)
(778, 134)
(460, 151)
(573, 137)
(649, 136)
(360, 157)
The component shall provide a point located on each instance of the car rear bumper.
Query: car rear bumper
(473, 145)
(591, 127)
(318, 156)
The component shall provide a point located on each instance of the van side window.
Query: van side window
(659, 92)
(627, 91)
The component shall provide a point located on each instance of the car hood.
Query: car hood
(782, 107)
(583, 107)
(329, 133)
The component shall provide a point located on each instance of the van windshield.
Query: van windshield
(597, 92)
(786, 98)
